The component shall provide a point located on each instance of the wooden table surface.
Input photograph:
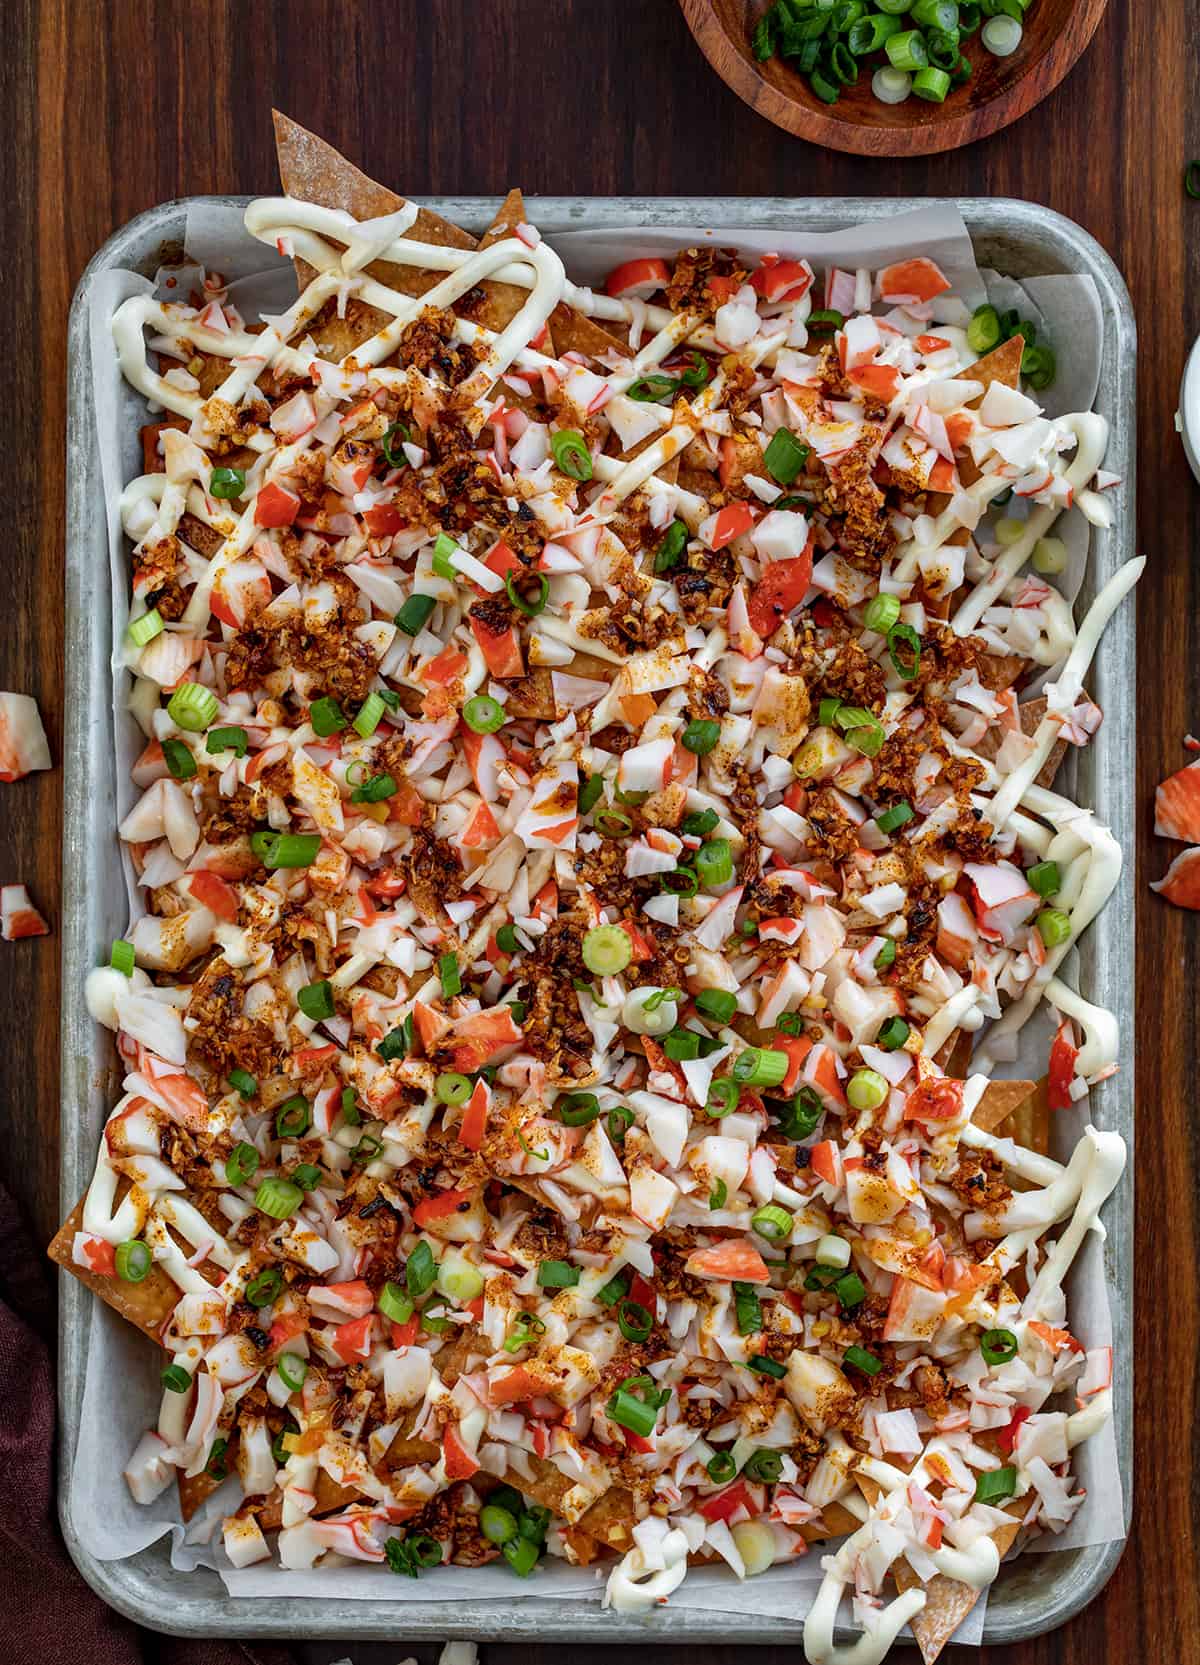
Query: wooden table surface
(114, 105)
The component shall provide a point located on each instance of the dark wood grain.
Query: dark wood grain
(110, 107)
(999, 92)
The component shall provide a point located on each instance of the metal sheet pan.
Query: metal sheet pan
(1031, 1596)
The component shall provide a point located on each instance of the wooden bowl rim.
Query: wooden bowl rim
(941, 132)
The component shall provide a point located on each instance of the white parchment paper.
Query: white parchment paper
(121, 1391)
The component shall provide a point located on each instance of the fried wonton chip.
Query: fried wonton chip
(954, 1056)
(1030, 713)
(947, 1602)
(1019, 1110)
(1000, 1100)
(147, 1305)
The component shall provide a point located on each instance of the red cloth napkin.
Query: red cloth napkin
(49, 1608)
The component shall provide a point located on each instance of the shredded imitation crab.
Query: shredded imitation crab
(1177, 815)
(586, 812)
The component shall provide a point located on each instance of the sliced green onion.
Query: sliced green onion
(577, 1109)
(241, 1163)
(907, 50)
(264, 1287)
(590, 793)
(867, 1090)
(176, 1379)
(227, 740)
(842, 64)
(942, 46)
(1038, 366)
(760, 1066)
(822, 1277)
(459, 1280)
(307, 1176)
(291, 850)
(292, 1371)
(293, 1118)
(681, 1045)
(132, 1261)
(717, 1004)
(723, 1096)
(998, 1483)
(721, 1467)
(614, 1291)
(650, 390)
(452, 1088)
(522, 603)
(762, 1465)
(983, 332)
(421, 1269)
(217, 1467)
(886, 955)
(699, 823)
(701, 736)
(672, 547)
(607, 950)
(747, 1309)
(366, 1150)
(892, 1034)
(571, 453)
(178, 759)
(862, 1360)
(192, 707)
(998, 1346)
(850, 1290)
(961, 73)
(497, 1525)
(888, 85)
(718, 1196)
(785, 456)
(444, 547)
(789, 1023)
(315, 1000)
(1054, 927)
(521, 1555)
(375, 790)
(279, 1198)
(227, 483)
(526, 1326)
(869, 33)
(931, 84)
(714, 862)
(1045, 878)
(1049, 556)
(634, 1321)
(415, 614)
(434, 1320)
(620, 1120)
(1001, 35)
(827, 320)
(483, 715)
(369, 713)
(121, 957)
(145, 628)
(894, 817)
(883, 611)
(397, 1043)
(904, 650)
(764, 1366)
(800, 1116)
(628, 1411)
(244, 1083)
(772, 1222)
(396, 436)
(327, 716)
(827, 91)
(680, 881)
(507, 940)
(450, 975)
(350, 1113)
(699, 373)
(394, 1304)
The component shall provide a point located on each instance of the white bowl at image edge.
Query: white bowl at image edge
(1187, 417)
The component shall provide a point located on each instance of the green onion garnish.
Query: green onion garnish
(227, 740)
(607, 950)
(421, 1270)
(227, 483)
(1054, 927)
(531, 609)
(760, 1066)
(571, 453)
(652, 389)
(577, 1109)
(483, 715)
(1045, 878)
(800, 1116)
(718, 1196)
(397, 1043)
(591, 791)
(369, 713)
(394, 1304)
(121, 957)
(614, 1291)
(178, 759)
(415, 614)
(307, 1176)
(375, 790)
(699, 823)
(700, 736)
(772, 1222)
(293, 1118)
(241, 1163)
(995, 1485)
(723, 1096)
(450, 975)
(883, 611)
(886, 955)
(998, 1346)
(763, 1366)
(850, 1290)
(499, 1526)
(747, 1309)
(291, 850)
(785, 456)
(721, 1467)
(714, 862)
(327, 716)
(176, 1378)
(145, 628)
(397, 435)
(132, 1261)
(217, 1467)
(867, 1090)
(315, 1000)
(293, 1371)
(243, 1082)
(452, 1088)
(264, 1287)
(634, 1321)
(762, 1465)
(557, 1274)
(892, 1034)
(862, 1360)
(717, 1004)
(192, 707)
(672, 547)
(894, 817)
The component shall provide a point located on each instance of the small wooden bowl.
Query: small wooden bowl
(999, 91)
